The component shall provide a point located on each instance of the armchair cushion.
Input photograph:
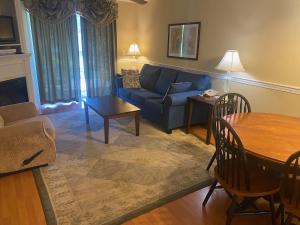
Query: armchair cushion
(19, 111)
(44, 119)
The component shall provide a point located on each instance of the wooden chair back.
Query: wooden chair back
(232, 162)
(291, 181)
(231, 103)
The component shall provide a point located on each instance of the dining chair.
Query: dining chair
(238, 176)
(290, 191)
(227, 104)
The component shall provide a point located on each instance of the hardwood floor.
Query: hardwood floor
(189, 211)
(19, 201)
(20, 205)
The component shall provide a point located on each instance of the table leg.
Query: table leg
(190, 106)
(86, 109)
(209, 125)
(137, 124)
(106, 130)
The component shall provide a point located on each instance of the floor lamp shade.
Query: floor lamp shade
(231, 62)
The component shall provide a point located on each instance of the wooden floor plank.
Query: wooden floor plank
(189, 210)
(19, 200)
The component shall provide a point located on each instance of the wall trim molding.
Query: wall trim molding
(221, 76)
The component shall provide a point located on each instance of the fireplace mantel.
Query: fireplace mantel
(15, 66)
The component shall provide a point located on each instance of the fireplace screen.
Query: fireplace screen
(13, 91)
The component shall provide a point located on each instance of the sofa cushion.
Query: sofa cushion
(124, 92)
(178, 88)
(154, 106)
(149, 76)
(1, 122)
(166, 78)
(140, 95)
(46, 121)
(200, 82)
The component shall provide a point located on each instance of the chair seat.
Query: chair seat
(261, 184)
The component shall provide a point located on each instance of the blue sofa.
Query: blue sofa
(155, 81)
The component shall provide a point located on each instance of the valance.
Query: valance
(98, 12)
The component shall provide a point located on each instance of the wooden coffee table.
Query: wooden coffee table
(111, 107)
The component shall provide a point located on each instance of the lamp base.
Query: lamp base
(227, 86)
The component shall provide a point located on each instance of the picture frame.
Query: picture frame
(184, 40)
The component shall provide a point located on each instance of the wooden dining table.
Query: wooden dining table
(267, 136)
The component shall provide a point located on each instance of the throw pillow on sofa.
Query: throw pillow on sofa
(178, 88)
(131, 78)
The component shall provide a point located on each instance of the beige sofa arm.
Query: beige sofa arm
(24, 146)
(19, 111)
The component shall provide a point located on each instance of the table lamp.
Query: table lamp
(230, 63)
(134, 50)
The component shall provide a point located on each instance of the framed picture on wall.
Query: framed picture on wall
(183, 40)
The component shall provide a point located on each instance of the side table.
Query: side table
(210, 102)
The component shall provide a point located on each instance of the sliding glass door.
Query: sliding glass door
(74, 59)
(98, 48)
(57, 59)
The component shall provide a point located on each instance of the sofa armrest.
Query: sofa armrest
(119, 81)
(19, 111)
(25, 145)
(180, 98)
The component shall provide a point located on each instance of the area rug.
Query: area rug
(91, 183)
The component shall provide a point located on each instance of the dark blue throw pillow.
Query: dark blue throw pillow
(149, 76)
(178, 88)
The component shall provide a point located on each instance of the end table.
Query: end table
(210, 102)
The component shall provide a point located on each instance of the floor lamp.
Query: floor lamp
(230, 63)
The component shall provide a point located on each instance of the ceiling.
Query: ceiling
(141, 2)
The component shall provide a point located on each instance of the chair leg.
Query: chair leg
(211, 161)
(272, 208)
(289, 219)
(280, 212)
(231, 210)
(282, 215)
(211, 189)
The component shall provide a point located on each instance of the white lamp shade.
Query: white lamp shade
(231, 62)
(134, 50)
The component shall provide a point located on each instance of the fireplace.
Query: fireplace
(13, 91)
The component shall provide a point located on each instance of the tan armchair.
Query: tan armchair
(27, 139)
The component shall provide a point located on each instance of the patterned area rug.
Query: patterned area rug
(93, 183)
